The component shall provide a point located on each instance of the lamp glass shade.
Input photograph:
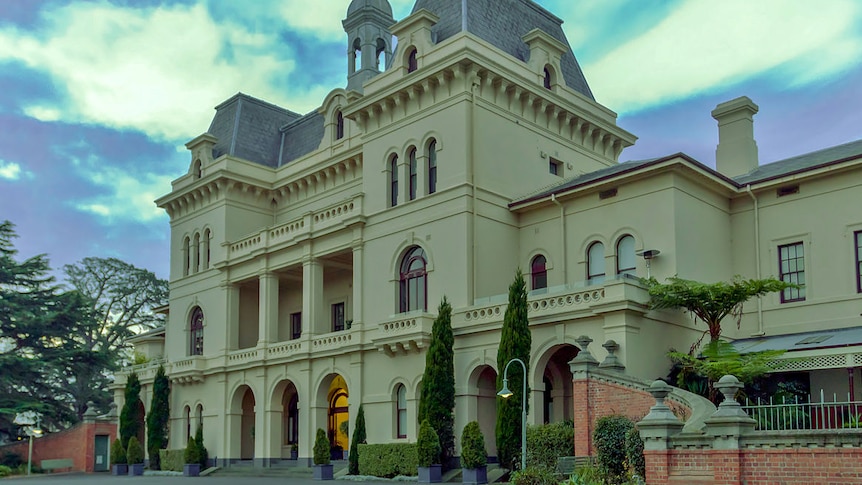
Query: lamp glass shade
(505, 393)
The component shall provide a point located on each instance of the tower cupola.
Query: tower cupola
(369, 41)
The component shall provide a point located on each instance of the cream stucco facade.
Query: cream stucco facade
(294, 297)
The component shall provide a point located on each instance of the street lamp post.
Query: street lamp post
(31, 432)
(505, 393)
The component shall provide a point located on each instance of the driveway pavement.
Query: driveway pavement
(105, 479)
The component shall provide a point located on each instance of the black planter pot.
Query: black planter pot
(192, 470)
(474, 476)
(136, 470)
(431, 474)
(322, 472)
(121, 469)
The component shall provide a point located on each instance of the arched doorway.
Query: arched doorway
(557, 404)
(285, 438)
(247, 431)
(141, 415)
(338, 416)
(484, 378)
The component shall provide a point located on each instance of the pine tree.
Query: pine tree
(157, 420)
(515, 342)
(437, 402)
(359, 437)
(130, 418)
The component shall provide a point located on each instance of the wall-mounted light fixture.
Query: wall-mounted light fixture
(648, 255)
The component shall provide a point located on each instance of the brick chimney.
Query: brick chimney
(736, 153)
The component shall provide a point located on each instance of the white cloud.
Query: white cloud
(157, 70)
(12, 171)
(706, 45)
(324, 19)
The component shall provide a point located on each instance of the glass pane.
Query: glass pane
(626, 254)
(596, 259)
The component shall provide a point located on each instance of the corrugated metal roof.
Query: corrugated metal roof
(842, 337)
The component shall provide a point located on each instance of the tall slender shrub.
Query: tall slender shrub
(515, 342)
(437, 401)
(427, 445)
(321, 448)
(135, 453)
(203, 454)
(473, 453)
(118, 453)
(157, 420)
(359, 438)
(130, 415)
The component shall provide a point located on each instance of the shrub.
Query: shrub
(533, 475)
(203, 454)
(427, 445)
(12, 460)
(118, 453)
(473, 453)
(610, 438)
(635, 452)
(546, 443)
(5, 471)
(387, 461)
(358, 439)
(321, 448)
(172, 460)
(191, 454)
(135, 454)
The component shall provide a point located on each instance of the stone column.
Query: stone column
(231, 316)
(656, 430)
(312, 295)
(357, 283)
(726, 426)
(268, 304)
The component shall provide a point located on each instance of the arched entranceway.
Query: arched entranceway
(247, 426)
(557, 404)
(142, 419)
(484, 380)
(285, 438)
(333, 395)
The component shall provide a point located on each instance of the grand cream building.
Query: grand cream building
(309, 252)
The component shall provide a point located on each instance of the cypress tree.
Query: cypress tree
(358, 438)
(515, 342)
(157, 420)
(437, 402)
(130, 418)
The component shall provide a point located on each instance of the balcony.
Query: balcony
(404, 333)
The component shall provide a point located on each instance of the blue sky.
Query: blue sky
(97, 98)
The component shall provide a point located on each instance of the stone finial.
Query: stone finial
(657, 427)
(612, 362)
(584, 354)
(728, 386)
(90, 413)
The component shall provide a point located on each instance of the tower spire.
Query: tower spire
(369, 41)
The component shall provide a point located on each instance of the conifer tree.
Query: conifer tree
(515, 342)
(359, 437)
(130, 418)
(157, 420)
(437, 402)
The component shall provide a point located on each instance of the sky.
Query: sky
(97, 98)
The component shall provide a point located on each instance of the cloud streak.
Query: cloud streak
(704, 46)
(12, 171)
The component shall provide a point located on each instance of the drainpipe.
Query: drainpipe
(760, 331)
(562, 235)
(471, 179)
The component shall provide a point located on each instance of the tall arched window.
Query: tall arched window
(414, 290)
(393, 181)
(381, 59)
(196, 169)
(207, 237)
(339, 126)
(412, 159)
(199, 417)
(187, 254)
(401, 411)
(539, 272)
(196, 332)
(547, 80)
(187, 416)
(626, 255)
(596, 263)
(432, 167)
(357, 56)
(196, 253)
(412, 63)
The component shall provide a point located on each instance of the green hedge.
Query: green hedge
(547, 442)
(172, 460)
(388, 460)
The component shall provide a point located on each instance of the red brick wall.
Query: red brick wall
(77, 443)
(755, 466)
(595, 399)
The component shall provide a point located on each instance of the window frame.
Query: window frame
(413, 177)
(196, 332)
(546, 81)
(339, 125)
(295, 321)
(539, 279)
(400, 412)
(632, 270)
(393, 181)
(407, 277)
(412, 60)
(339, 316)
(857, 239)
(787, 295)
(595, 278)
(432, 167)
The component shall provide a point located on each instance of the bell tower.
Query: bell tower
(369, 41)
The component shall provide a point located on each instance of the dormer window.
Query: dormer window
(339, 126)
(412, 63)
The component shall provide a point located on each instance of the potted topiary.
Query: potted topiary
(118, 459)
(191, 456)
(474, 458)
(322, 466)
(135, 457)
(428, 451)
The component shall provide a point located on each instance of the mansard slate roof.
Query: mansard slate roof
(502, 23)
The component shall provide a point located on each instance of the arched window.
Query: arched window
(539, 272)
(626, 255)
(187, 254)
(412, 63)
(196, 253)
(401, 411)
(199, 417)
(196, 169)
(207, 237)
(196, 332)
(357, 56)
(413, 291)
(339, 126)
(187, 416)
(596, 263)
(381, 50)
(393, 181)
(412, 158)
(547, 80)
(432, 167)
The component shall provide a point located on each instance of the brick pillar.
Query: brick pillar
(581, 367)
(656, 430)
(725, 426)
